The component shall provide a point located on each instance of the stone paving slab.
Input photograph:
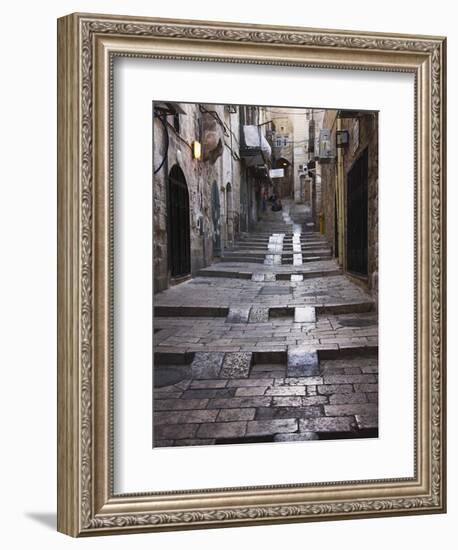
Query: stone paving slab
(259, 314)
(236, 365)
(367, 422)
(302, 362)
(238, 315)
(222, 429)
(207, 364)
(184, 417)
(233, 415)
(276, 413)
(270, 427)
(329, 424)
(368, 409)
(304, 315)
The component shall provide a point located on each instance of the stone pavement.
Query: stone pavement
(273, 343)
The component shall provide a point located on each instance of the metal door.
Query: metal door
(179, 231)
(357, 208)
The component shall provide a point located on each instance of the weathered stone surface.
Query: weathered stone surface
(234, 415)
(287, 401)
(347, 398)
(304, 315)
(222, 429)
(236, 383)
(238, 315)
(269, 427)
(207, 364)
(166, 375)
(266, 413)
(285, 390)
(159, 394)
(350, 379)
(308, 436)
(366, 422)
(302, 362)
(367, 409)
(327, 424)
(270, 277)
(250, 390)
(366, 387)
(299, 381)
(184, 417)
(272, 259)
(328, 389)
(297, 259)
(257, 277)
(259, 314)
(275, 290)
(314, 400)
(236, 365)
(179, 404)
(207, 384)
(239, 402)
(175, 431)
(208, 394)
(370, 369)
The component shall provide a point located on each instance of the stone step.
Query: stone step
(243, 259)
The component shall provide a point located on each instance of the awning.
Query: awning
(255, 148)
(255, 138)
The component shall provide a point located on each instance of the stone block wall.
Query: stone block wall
(217, 166)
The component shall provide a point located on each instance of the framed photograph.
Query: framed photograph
(251, 284)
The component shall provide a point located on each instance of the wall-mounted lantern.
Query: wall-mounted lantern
(197, 150)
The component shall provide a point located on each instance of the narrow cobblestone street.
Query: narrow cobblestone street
(270, 343)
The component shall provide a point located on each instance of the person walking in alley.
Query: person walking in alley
(277, 205)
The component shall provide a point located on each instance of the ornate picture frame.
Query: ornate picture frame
(87, 46)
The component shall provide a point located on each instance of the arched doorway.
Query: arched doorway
(284, 185)
(216, 218)
(179, 230)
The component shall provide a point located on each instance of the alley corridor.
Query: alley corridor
(272, 342)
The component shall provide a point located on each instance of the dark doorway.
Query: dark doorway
(216, 218)
(179, 231)
(336, 229)
(357, 216)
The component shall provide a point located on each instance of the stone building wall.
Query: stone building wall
(362, 135)
(328, 186)
(217, 168)
(368, 138)
(284, 129)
